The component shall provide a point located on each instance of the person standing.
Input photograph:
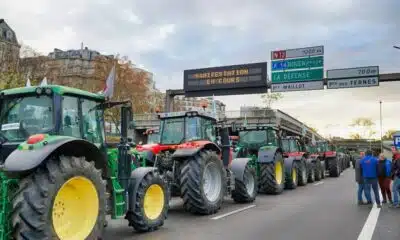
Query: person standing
(369, 171)
(384, 178)
(396, 180)
(361, 184)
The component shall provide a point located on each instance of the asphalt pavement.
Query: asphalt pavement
(322, 210)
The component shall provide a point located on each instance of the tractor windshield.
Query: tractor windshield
(21, 117)
(290, 145)
(178, 130)
(153, 138)
(172, 131)
(258, 137)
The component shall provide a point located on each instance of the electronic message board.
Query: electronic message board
(226, 80)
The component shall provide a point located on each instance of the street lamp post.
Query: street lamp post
(380, 114)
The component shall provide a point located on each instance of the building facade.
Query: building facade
(9, 48)
(193, 103)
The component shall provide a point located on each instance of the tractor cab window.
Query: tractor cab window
(70, 126)
(193, 128)
(24, 116)
(172, 131)
(92, 121)
(272, 137)
(208, 129)
(153, 137)
(254, 136)
(290, 145)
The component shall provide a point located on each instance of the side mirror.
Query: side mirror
(130, 139)
(132, 145)
(140, 143)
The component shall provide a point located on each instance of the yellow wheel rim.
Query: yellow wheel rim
(75, 209)
(294, 175)
(278, 172)
(153, 202)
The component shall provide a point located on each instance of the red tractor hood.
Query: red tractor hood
(293, 154)
(154, 147)
(330, 153)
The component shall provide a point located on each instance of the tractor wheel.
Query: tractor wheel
(272, 176)
(291, 177)
(63, 199)
(175, 191)
(151, 204)
(302, 172)
(323, 169)
(203, 183)
(311, 172)
(334, 167)
(318, 170)
(246, 190)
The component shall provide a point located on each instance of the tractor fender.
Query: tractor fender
(184, 152)
(289, 163)
(238, 166)
(136, 178)
(27, 157)
(267, 154)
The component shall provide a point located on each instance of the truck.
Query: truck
(59, 178)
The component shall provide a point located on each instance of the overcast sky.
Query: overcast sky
(167, 37)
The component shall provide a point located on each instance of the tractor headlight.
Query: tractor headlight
(48, 91)
(39, 91)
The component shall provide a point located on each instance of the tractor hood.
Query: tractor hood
(154, 147)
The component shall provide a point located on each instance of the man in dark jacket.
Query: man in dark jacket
(361, 185)
(385, 177)
(396, 179)
(369, 170)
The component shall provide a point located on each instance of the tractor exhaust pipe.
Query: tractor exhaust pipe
(124, 156)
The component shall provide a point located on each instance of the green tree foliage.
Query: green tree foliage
(364, 128)
(270, 98)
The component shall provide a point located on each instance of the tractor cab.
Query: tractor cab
(52, 109)
(292, 145)
(326, 149)
(184, 127)
(153, 136)
(251, 139)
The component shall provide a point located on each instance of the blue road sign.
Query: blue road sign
(396, 140)
(279, 65)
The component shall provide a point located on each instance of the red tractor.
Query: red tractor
(196, 157)
(332, 160)
(295, 153)
(317, 162)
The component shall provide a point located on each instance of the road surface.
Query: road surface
(322, 210)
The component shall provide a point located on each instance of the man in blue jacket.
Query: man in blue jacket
(369, 170)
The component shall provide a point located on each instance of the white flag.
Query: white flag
(108, 90)
(28, 83)
(44, 82)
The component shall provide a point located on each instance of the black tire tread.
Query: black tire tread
(240, 194)
(267, 181)
(32, 202)
(334, 167)
(301, 166)
(137, 219)
(289, 183)
(191, 182)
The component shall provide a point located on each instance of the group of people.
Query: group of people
(378, 172)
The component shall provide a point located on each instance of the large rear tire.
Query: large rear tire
(311, 172)
(203, 183)
(63, 199)
(272, 176)
(302, 172)
(334, 167)
(151, 204)
(291, 177)
(246, 190)
(319, 171)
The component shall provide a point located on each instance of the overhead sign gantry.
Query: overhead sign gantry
(297, 69)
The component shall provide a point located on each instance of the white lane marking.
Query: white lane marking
(318, 183)
(233, 212)
(369, 226)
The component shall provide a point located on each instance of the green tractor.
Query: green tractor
(58, 177)
(263, 145)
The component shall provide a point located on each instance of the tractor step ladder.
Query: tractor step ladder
(118, 196)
